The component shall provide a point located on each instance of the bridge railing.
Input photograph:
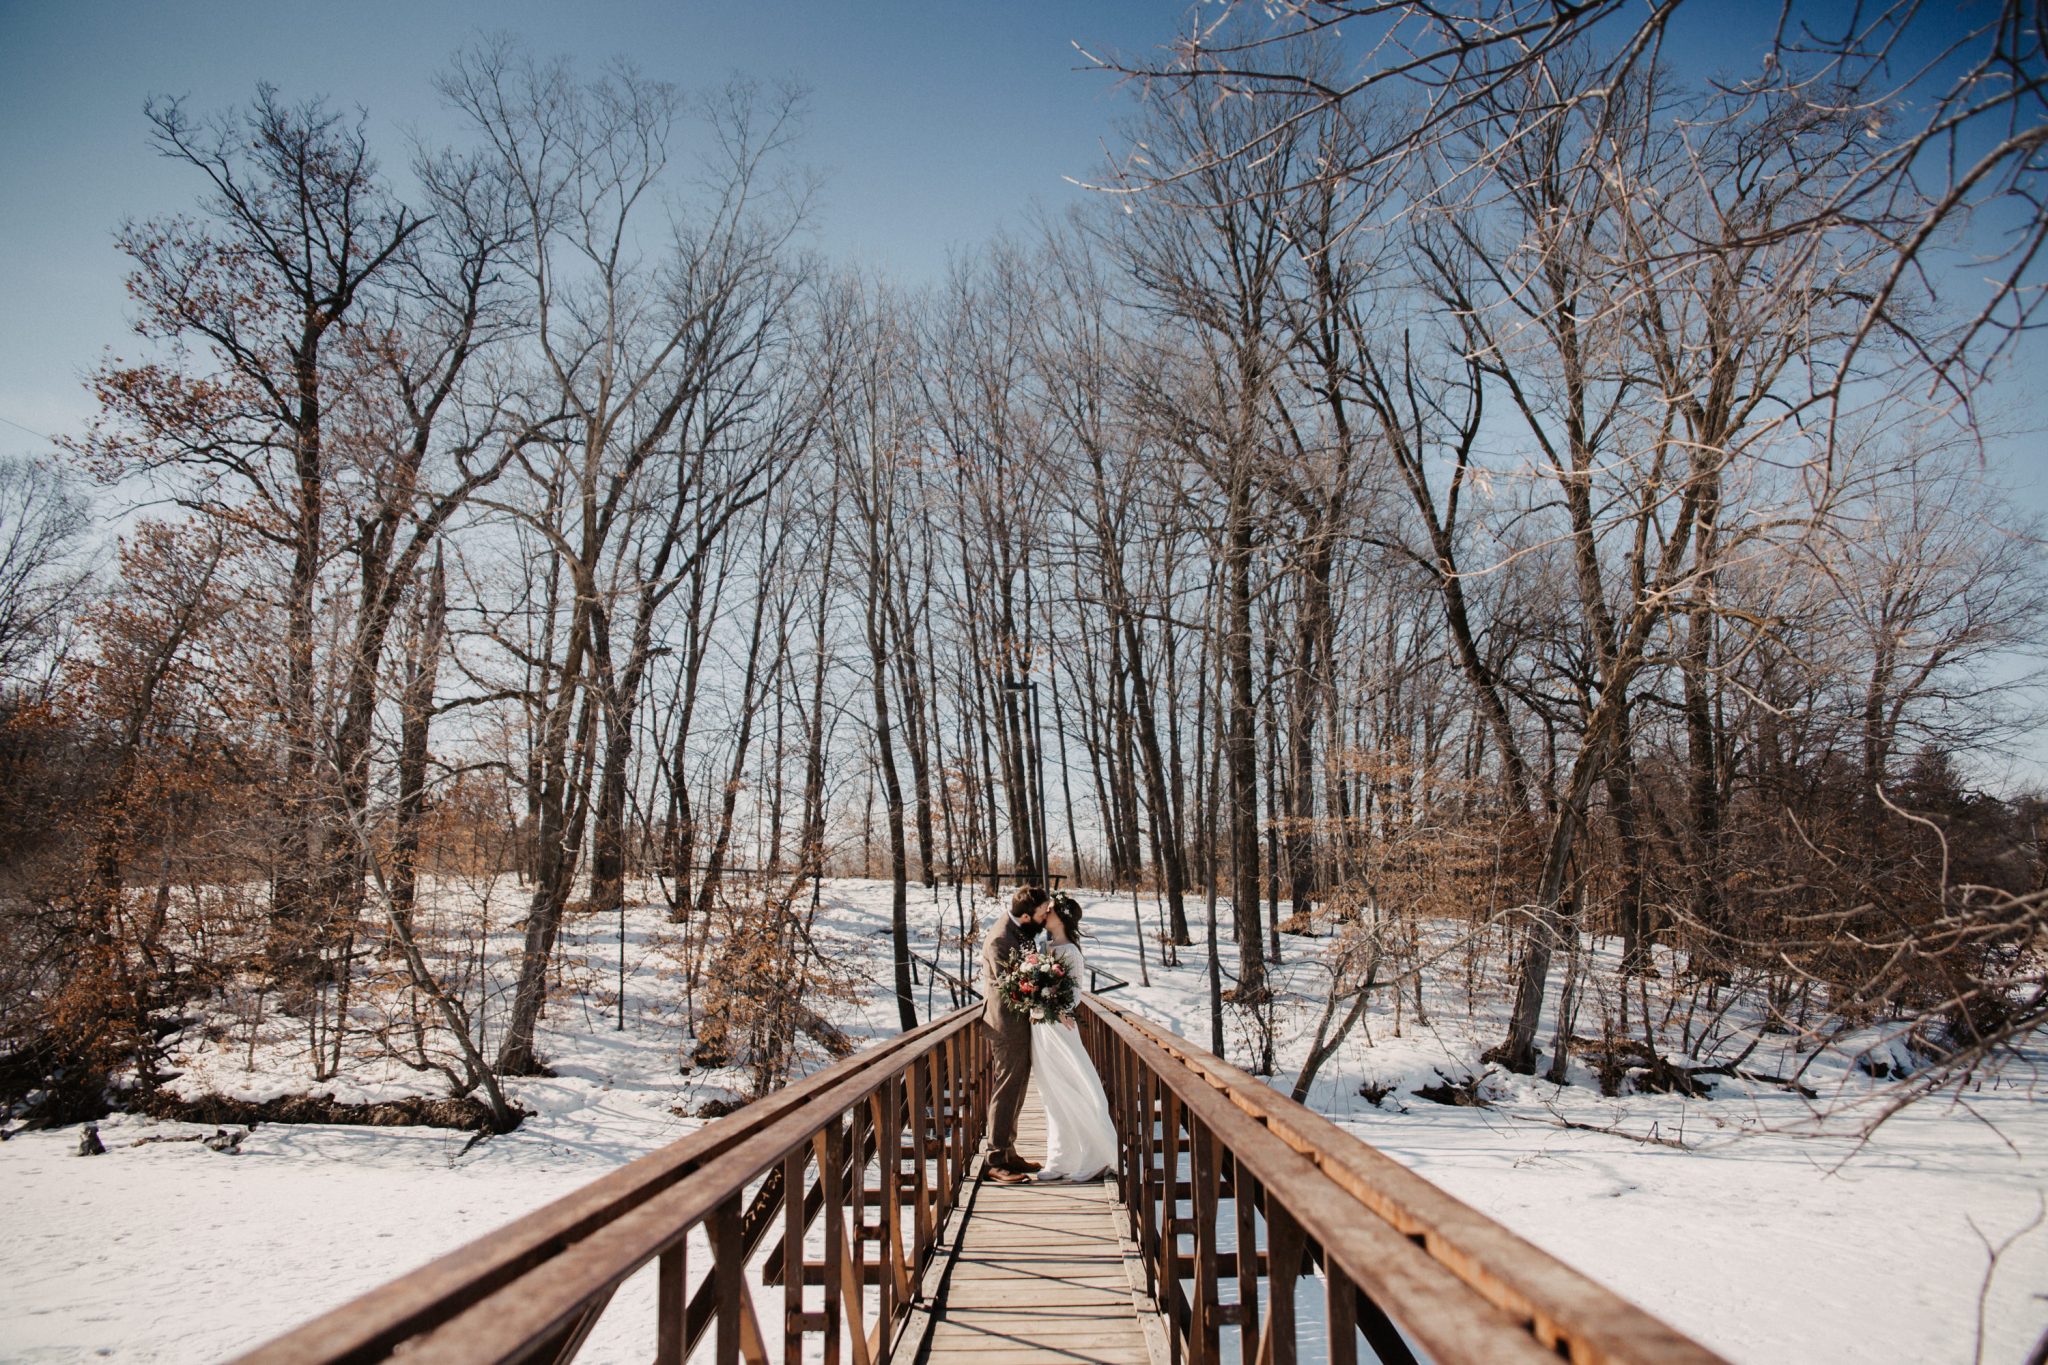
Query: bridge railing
(1236, 1194)
(876, 1148)
(926, 971)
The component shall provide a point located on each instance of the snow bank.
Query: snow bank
(1759, 1220)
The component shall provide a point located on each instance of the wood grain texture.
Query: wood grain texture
(1039, 1277)
(1357, 1200)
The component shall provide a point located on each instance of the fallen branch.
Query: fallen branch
(414, 1111)
(1557, 1120)
(1730, 1069)
(825, 1033)
(219, 1140)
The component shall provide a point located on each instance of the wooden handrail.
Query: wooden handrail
(1227, 1186)
(1402, 1261)
(534, 1289)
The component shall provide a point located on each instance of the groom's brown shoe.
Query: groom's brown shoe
(1012, 1161)
(1004, 1175)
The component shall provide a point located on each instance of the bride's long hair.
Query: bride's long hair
(1069, 911)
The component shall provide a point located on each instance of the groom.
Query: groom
(1012, 1041)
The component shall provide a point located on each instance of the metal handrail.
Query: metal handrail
(964, 992)
(1210, 1155)
(1096, 979)
(534, 1289)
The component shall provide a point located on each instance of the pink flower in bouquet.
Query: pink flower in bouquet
(1026, 987)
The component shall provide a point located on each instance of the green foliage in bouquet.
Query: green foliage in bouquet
(1039, 987)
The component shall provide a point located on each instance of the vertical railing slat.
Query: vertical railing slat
(1147, 1096)
(1204, 1327)
(793, 1167)
(1169, 1223)
(727, 1266)
(1245, 1205)
(922, 1116)
(1283, 1265)
(672, 1303)
(1342, 1310)
(829, 1147)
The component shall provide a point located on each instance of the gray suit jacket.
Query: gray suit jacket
(1006, 942)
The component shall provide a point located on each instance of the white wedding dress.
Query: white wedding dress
(1080, 1142)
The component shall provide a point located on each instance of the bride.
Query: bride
(1080, 1143)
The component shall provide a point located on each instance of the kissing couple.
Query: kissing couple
(1032, 1037)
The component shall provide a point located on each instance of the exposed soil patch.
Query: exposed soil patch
(1625, 1064)
(1374, 1092)
(414, 1111)
(1462, 1094)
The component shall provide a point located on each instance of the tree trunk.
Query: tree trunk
(1240, 740)
(910, 676)
(301, 923)
(1313, 647)
(1517, 1051)
(750, 705)
(682, 850)
(558, 836)
(416, 715)
(892, 797)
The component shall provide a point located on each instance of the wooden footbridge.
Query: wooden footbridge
(844, 1220)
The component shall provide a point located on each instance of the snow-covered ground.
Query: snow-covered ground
(1776, 1232)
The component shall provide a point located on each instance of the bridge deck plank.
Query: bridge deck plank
(1039, 1276)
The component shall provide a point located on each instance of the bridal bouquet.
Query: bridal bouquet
(1039, 987)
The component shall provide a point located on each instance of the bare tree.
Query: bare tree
(1956, 105)
(43, 571)
(629, 349)
(298, 229)
(869, 431)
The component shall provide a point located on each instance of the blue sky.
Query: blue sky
(934, 124)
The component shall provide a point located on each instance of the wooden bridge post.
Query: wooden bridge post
(1401, 1260)
(1244, 1199)
(728, 1266)
(672, 1304)
(794, 1319)
(874, 1233)
(1283, 1262)
(1152, 1218)
(1404, 1264)
(1341, 1304)
(922, 1091)
(1170, 1223)
(830, 1146)
(1205, 1328)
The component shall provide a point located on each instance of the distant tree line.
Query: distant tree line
(1517, 487)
